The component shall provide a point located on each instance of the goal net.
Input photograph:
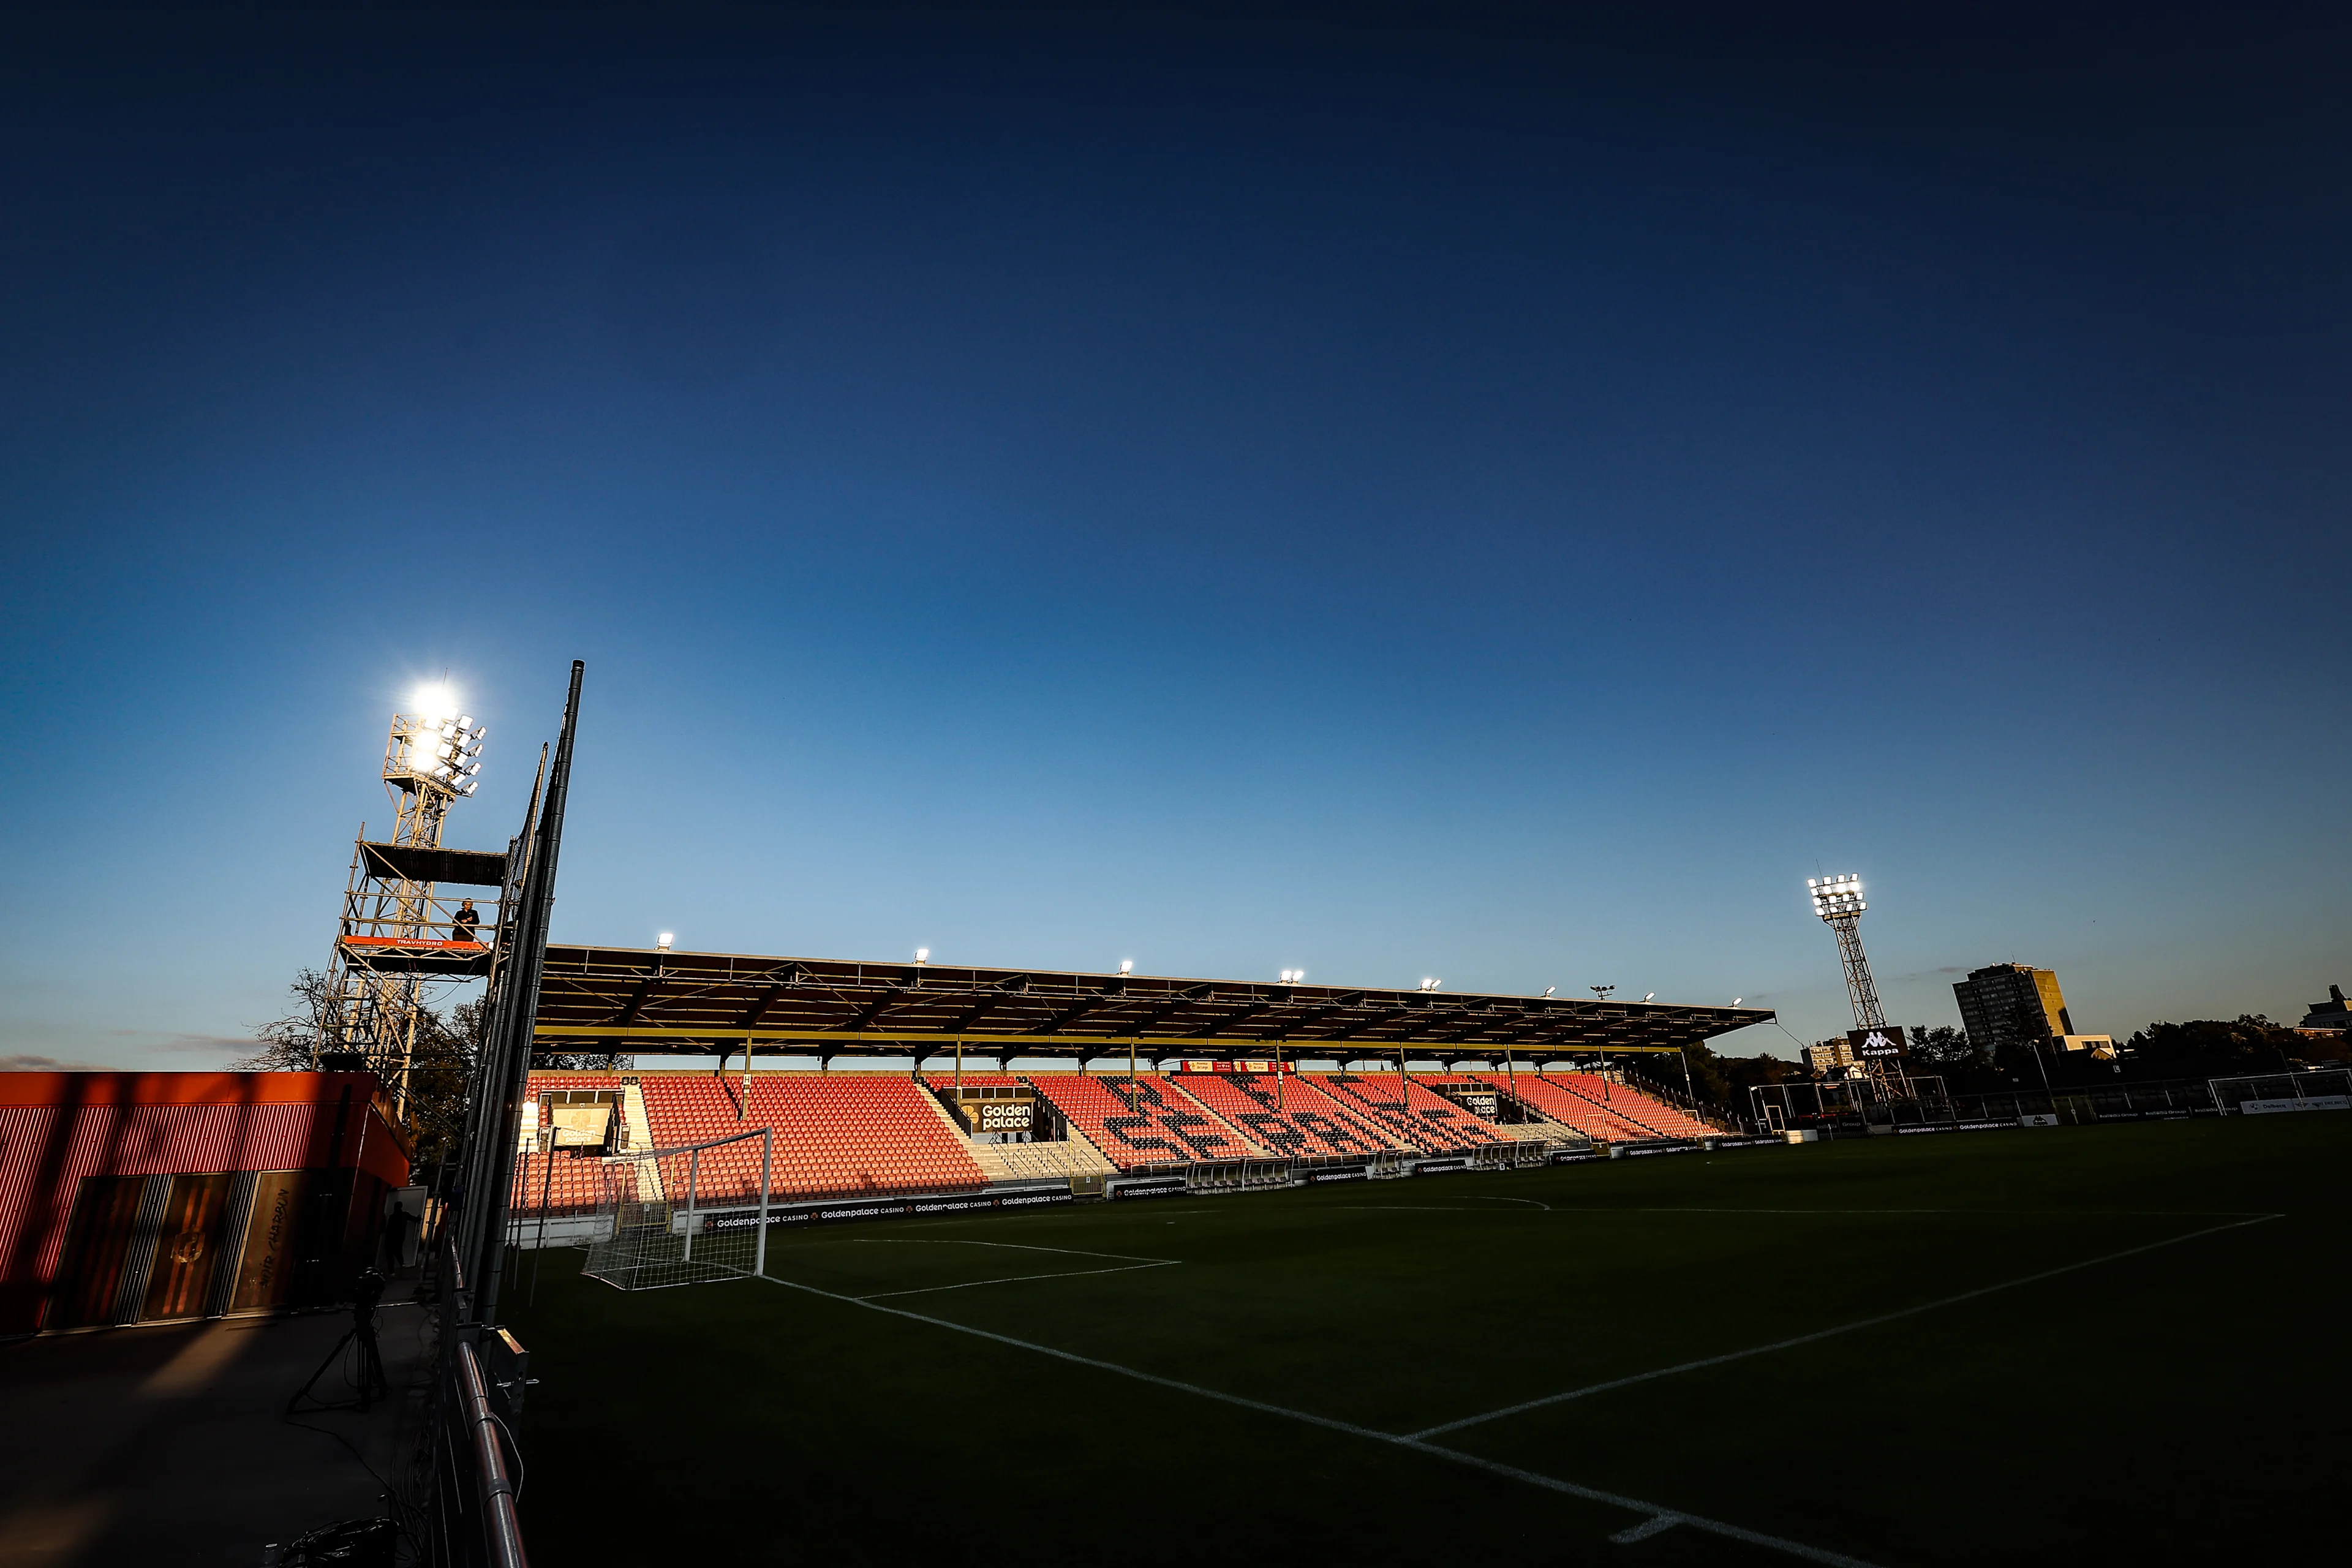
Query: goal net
(685, 1215)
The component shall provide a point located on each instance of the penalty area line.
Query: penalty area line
(1820, 1335)
(1656, 1517)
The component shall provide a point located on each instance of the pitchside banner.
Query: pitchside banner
(1887, 1040)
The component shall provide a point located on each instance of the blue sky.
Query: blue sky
(1455, 495)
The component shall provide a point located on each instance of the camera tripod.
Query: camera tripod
(372, 1383)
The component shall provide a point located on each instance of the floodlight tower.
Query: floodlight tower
(1838, 900)
(395, 934)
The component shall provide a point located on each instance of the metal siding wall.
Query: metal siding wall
(137, 1141)
(23, 1131)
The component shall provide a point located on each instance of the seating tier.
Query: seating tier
(1549, 1094)
(1296, 1121)
(837, 1135)
(1163, 1124)
(1426, 1122)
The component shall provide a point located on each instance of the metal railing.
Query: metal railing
(473, 1519)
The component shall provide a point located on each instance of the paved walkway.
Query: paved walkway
(171, 1444)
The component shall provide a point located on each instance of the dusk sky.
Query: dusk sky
(1460, 493)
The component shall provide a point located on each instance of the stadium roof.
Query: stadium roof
(642, 1001)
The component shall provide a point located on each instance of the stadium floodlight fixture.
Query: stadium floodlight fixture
(1649, 995)
(922, 955)
(1126, 966)
(1550, 989)
(1428, 984)
(661, 943)
(1292, 976)
(1734, 1001)
(1836, 897)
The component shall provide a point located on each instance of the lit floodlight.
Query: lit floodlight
(1126, 966)
(661, 943)
(1650, 995)
(1550, 989)
(922, 955)
(1836, 897)
(1734, 1001)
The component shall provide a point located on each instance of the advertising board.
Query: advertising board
(1877, 1045)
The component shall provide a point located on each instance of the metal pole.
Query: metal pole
(503, 1084)
(693, 1178)
(767, 1159)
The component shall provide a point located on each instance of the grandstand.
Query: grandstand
(859, 1135)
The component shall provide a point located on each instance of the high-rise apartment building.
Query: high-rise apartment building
(2016, 1003)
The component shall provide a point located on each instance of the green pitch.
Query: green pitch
(2110, 1344)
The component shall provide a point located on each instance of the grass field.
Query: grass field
(2121, 1343)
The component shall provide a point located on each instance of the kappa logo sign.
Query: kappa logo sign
(1877, 1044)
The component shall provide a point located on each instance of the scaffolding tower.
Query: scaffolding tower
(398, 933)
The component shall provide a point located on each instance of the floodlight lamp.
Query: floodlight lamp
(1126, 966)
(1734, 1001)
(1647, 997)
(922, 955)
(661, 943)
(1550, 989)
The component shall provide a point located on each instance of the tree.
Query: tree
(1724, 1081)
(2248, 1043)
(290, 1043)
(441, 1064)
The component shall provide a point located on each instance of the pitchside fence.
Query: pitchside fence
(649, 1231)
(2260, 1093)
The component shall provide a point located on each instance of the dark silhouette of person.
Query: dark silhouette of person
(462, 923)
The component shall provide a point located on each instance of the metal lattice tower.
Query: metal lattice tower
(1838, 900)
(395, 935)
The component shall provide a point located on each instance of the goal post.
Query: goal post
(653, 1229)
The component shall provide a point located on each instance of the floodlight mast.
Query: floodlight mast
(392, 921)
(1838, 900)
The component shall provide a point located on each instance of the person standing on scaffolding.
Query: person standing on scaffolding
(462, 923)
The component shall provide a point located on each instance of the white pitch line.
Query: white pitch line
(1831, 1333)
(1657, 1517)
(1010, 1245)
(1015, 1280)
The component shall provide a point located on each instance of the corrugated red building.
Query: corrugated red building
(137, 1197)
